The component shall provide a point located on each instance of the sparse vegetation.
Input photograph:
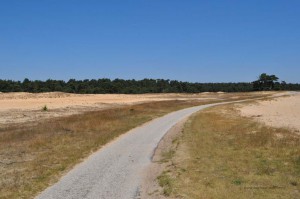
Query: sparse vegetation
(36, 154)
(226, 156)
(45, 108)
(167, 155)
(166, 182)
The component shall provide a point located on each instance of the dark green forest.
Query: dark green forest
(93, 86)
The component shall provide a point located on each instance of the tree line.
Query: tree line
(105, 85)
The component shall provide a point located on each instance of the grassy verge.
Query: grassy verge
(35, 155)
(222, 155)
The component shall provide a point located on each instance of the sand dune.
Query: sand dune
(280, 112)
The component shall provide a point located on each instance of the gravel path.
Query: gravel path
(115, 170)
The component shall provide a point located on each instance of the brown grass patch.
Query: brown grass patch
(37, 154)
(222, 155)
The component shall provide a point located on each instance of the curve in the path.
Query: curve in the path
(115, 170)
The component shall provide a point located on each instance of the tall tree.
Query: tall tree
(265, 82)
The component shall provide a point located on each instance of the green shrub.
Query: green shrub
(45, 108)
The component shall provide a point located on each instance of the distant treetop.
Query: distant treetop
(265, 82)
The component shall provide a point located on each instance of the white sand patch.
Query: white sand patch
(280, 112)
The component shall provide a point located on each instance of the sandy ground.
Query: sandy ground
(150, 188)
(16, 108)
(280, 112)
(24, 107)
(60, 100)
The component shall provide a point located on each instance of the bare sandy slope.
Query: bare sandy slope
(23, 107)
(280, 112)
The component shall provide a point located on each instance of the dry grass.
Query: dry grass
(222, 155)
(37, 154)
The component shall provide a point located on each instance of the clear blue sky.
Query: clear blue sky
(192, 40)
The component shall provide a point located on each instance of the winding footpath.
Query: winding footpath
(115, 170)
